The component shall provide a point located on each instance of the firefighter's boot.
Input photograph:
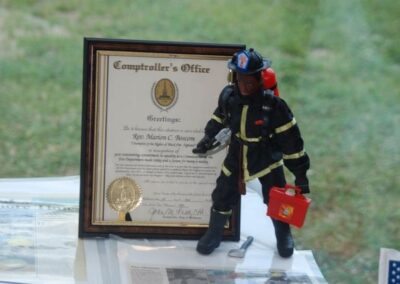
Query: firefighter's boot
(284, 239)
(213, 236)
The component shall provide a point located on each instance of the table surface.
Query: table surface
(39, 244)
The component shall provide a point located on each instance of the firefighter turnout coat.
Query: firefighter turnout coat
(265, 136)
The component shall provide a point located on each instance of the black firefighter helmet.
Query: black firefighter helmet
(248, 62)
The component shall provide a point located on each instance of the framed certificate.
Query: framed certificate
(145, 105)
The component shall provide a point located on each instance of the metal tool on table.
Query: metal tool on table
(240, 252)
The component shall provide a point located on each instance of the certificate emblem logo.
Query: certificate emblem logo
(164, 94)
(123, 195)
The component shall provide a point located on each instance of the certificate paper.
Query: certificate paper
(149, 111)
(150, 138)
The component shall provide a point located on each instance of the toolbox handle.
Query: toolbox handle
(296, 188)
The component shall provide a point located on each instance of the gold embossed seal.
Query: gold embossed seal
(164, 94)
(123, 195)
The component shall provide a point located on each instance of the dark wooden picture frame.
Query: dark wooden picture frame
(93, 111)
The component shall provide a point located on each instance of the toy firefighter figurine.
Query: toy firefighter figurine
(264, 137)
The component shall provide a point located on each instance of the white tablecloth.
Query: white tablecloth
(39, 244)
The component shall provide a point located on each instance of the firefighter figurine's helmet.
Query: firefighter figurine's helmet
(248, 62)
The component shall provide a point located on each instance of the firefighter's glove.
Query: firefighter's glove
(302, 182)
(203, 146)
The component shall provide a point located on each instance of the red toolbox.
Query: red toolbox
(287, 204)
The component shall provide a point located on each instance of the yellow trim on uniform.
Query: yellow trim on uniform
(242, 134)
(226, 171)
(294, 155)
(286, 126)
(228, 213)
(245, 163)
(264, 172)
(243, 121)
(216, 118)
(257, 139)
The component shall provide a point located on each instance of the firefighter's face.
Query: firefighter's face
(248, 84)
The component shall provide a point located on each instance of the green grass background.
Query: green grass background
(338, 66)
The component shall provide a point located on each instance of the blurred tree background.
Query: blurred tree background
(337, 64)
